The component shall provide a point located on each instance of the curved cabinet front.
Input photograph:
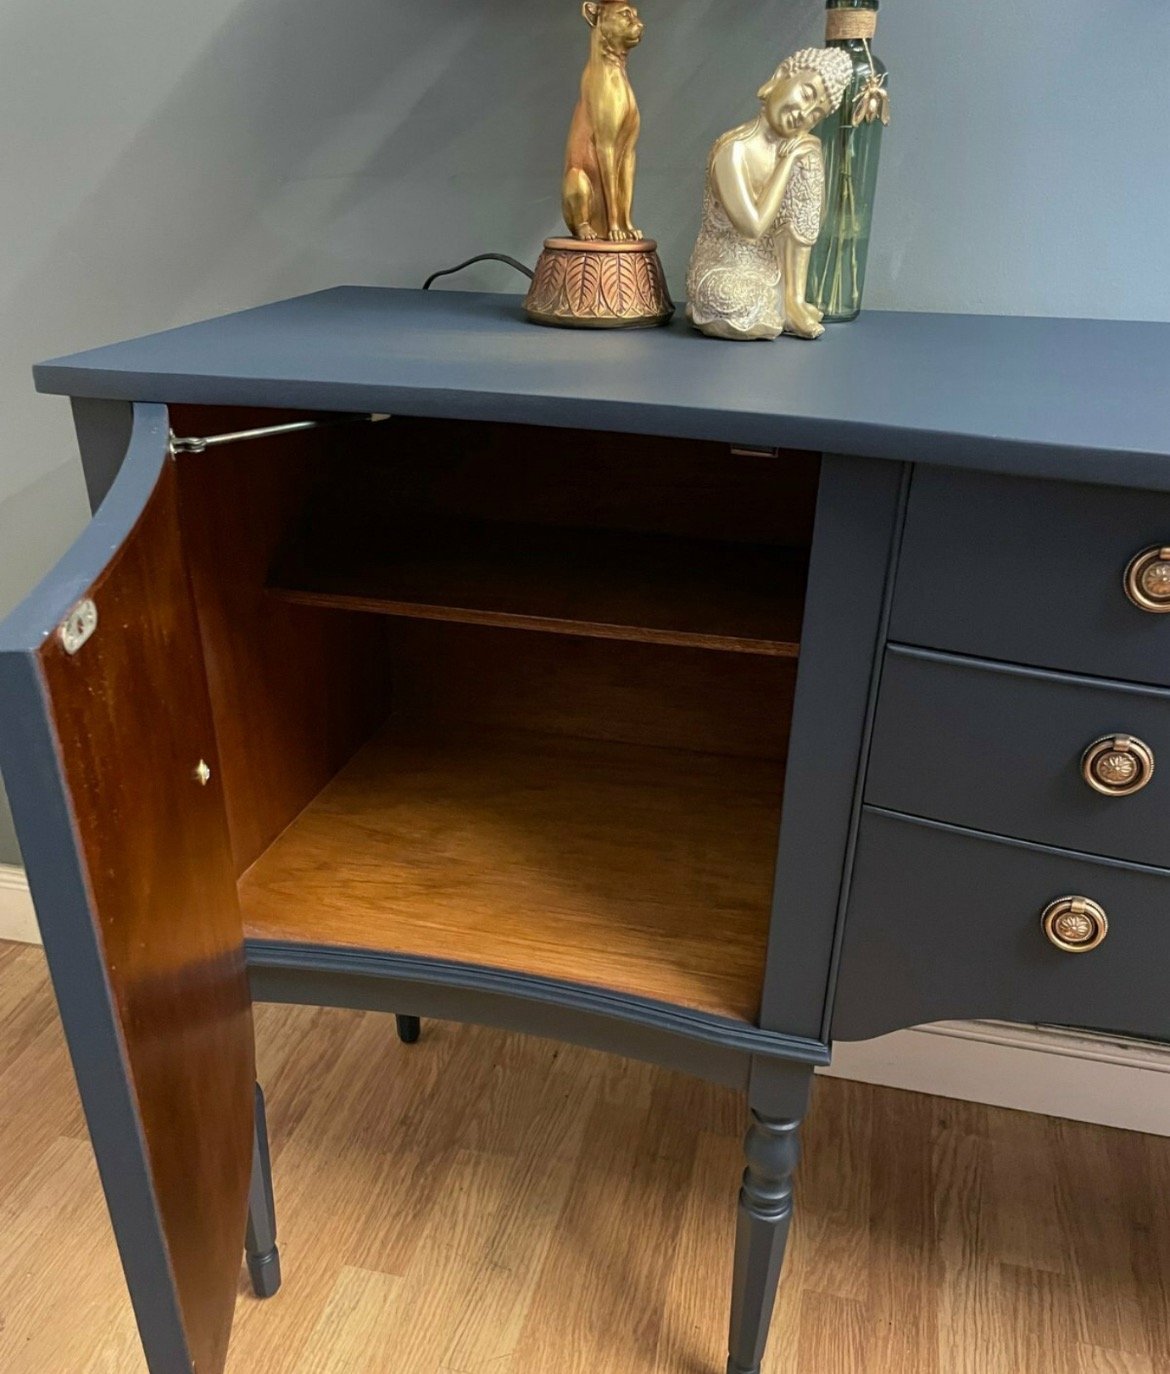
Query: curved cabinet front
(109, 755)
(946, 924)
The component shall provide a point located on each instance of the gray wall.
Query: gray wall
(165, 162)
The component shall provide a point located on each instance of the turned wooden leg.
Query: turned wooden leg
(409, 1029)
(765, 1210)
(263, 1256)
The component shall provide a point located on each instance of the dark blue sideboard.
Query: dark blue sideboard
(702, 703)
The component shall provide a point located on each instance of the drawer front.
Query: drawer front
(1000, 749)
(944, 924)
(1031, 572)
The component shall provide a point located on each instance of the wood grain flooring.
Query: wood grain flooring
(484, 1204)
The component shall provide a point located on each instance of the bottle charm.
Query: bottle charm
(851, 143)
(873, 100)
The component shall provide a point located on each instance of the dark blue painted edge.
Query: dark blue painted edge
(854, 437)
(525, 990)
(28, 624)
(48, 841)
(1006, 668)
(976, 442)
(860, 508)
(1104, 860)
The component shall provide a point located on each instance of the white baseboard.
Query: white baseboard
(1084, 1076)
(1104, 1079)
(17, 919)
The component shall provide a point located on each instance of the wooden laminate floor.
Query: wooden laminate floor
(484, 1204)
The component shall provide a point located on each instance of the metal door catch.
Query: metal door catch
(77, 626)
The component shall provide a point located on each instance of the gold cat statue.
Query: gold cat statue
(606, 276)
(598, 193)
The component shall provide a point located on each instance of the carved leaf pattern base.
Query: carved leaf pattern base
(599, 286)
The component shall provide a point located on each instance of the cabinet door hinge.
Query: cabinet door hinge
(200, 444)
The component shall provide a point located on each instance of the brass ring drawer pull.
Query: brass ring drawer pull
(1117, 765)
(1075, 924)
(1147, 579)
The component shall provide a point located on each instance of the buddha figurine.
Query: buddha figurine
(763, 207)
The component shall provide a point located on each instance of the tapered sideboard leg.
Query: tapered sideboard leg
(765, 1211)
(263, 1256)
(409, 1029)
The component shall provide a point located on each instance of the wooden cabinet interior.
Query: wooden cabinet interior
(409, 766)
(647, 871)
(587, 534)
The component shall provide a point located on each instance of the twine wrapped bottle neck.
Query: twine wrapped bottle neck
(844, 24)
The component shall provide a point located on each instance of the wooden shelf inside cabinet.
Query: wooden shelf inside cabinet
(609, 584)
(644, 871)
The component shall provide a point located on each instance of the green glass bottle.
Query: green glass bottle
(852, 141)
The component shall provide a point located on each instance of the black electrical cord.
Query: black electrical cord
(479, 257)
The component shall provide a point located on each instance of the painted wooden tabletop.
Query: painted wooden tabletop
(1045, 397)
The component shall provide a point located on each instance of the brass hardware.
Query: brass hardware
(197, 444)
(1117, 765)
(1075, 924)
(202, 773)
(77, 626)
(1147, 579)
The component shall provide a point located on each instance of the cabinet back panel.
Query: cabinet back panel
(599, 689)
(580, 479)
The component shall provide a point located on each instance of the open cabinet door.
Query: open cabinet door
(108, 752)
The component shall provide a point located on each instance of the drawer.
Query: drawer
(1000, 749)
(1031, 572)
(945, 924)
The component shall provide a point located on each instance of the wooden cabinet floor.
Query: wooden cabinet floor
(483, 1203)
